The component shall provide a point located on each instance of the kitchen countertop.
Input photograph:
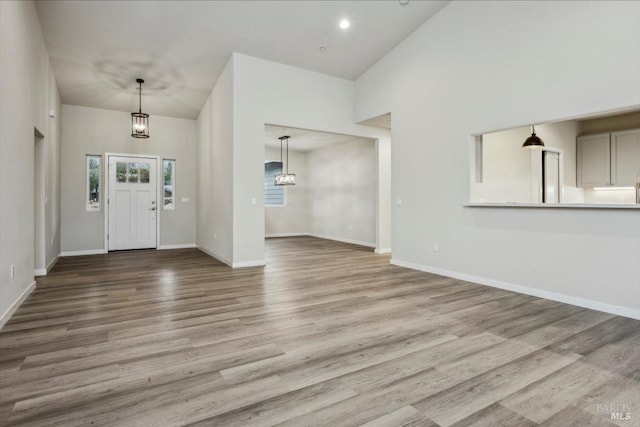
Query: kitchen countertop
(555, 206)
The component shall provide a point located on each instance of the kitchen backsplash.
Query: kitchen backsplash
(609, 195)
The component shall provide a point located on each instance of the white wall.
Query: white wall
(27, 91)
(270, 93)
(343, 194)
(295, 217)
(478, 66)
(383, 195)
(95, 131)
(506, 167)
(215, 170)
(53, 176)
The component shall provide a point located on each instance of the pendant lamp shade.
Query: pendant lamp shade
(285, 178)
(533, 141)
(139, 120)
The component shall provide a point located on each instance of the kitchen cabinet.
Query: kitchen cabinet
(625, 158)
(593, 154)
(608, 159)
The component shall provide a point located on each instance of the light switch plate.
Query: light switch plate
(185, 200)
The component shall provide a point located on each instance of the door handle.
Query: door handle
(153, 208)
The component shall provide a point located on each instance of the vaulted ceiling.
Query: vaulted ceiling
(99, 48)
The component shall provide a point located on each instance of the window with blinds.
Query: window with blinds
(273, 194)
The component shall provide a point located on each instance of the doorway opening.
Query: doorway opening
(335, 195)
(131, 217)
(39, 201)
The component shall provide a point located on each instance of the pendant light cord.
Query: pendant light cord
(140, 98)
(286, 165)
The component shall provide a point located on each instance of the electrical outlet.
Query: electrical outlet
(398, 202)
(215, 236)
(52, 242)
(436, 248)
(253, 201)
(13, 271)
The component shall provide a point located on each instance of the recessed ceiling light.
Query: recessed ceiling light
(404, 2)
(344, 24)
(322, 48)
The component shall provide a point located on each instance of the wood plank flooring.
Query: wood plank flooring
(327, 334)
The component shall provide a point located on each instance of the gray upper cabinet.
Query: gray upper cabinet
(608, 159)
(593, 160)
(625, 157)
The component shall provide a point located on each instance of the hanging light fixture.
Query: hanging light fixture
(285, 178)
(533, 141)
(139, 120)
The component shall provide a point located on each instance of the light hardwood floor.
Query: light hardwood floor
(327, 334)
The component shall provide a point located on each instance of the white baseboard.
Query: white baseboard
(44, 271)
(214, 255)
(179, 246)
(268, 236)
(540, 293)
(243, 264)
(52, 263)
(341, 239)
(383, 251)
(87, 252)
(7, 315)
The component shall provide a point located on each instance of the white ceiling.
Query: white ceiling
(99, 48)
(305, 140)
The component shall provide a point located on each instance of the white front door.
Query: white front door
(132, 203)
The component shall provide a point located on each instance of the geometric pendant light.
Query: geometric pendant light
(285, 178)
(533, 141)
(140, 120)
